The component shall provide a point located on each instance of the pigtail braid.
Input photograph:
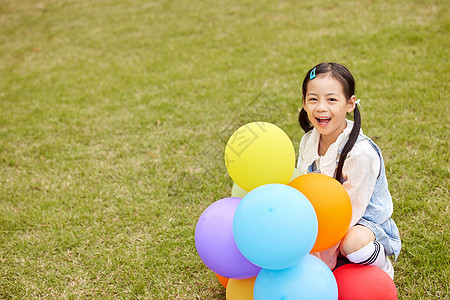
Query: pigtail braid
(304, 121)
(349, 145)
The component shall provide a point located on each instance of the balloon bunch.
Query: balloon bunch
(258, 241)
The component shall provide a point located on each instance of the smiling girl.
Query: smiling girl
(337, 147)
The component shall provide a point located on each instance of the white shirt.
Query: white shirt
(360, 171)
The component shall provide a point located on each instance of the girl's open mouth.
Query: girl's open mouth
(323, 121)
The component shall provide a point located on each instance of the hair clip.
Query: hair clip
(358, 102)
(312, 75)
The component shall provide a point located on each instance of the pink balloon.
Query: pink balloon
(215, 242)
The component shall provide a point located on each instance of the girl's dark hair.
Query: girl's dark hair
(345, 78)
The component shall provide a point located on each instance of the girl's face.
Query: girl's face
(327, 106)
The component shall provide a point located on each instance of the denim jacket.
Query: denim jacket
(377, 215)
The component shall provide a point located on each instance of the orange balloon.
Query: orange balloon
(332, 205)
(240, 289)
(223, 280)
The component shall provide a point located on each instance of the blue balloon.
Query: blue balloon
(275, 226)
(311, 278)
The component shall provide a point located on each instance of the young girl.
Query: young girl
(337, 147)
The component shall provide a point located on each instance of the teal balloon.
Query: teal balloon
(275, 226)
(311, 278)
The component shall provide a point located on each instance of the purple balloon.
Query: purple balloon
(215, 242)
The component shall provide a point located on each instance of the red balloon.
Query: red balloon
(364, 282)
(223, 280)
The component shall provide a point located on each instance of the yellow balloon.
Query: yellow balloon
(259, 153)
(240, 289)
(237, 191)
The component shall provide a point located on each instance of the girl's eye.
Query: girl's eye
(312, 99)
(332, 99)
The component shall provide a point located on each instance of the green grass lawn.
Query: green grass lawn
(114, 116)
